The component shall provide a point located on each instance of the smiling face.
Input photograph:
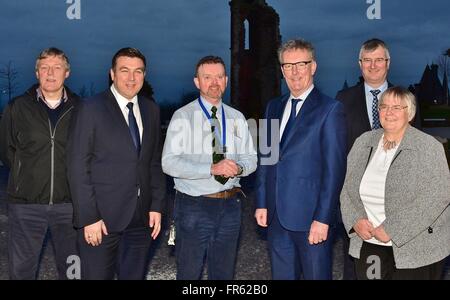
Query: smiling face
(211, 81)
(298, 79)
(51, 73)
(393, 119)
(128, 76)
(374, 66)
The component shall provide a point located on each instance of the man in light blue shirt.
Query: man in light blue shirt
(208, 148)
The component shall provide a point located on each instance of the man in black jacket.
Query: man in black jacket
(33, 136)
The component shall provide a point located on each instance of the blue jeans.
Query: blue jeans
(207, 229)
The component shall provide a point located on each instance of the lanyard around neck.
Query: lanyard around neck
(224, 123)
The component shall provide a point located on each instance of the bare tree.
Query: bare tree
(84, 92)
(9, 76)
(92, 89)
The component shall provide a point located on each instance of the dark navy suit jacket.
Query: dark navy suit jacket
(104, 169)
(305, 183)
(354, 100)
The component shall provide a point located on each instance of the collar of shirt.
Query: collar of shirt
(208, 107)
(121, 100)
(368, 88)
(40, 96)
(287, 109)
(303, 96)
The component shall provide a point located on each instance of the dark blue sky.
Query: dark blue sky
(174, 34)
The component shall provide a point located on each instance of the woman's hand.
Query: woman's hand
(364, 229)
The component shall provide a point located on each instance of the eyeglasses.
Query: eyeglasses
(377, 61)
(395, 108)
(300, 65)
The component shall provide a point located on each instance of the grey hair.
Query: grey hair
(294, 45)
(372, 45)
(402, 94)
(52, 51)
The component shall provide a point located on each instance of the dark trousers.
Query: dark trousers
(206, 229)
(349, 263)
(125, 254)
(291, 255)
(27, 228)
(377, 262)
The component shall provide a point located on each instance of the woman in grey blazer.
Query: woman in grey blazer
(396, 195)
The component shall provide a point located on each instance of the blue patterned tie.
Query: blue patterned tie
(291, 121)
(375, 115)
(134, 130)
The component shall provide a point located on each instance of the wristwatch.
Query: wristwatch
(240, 170)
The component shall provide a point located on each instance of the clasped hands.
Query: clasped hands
(365, 230)
(226, 168)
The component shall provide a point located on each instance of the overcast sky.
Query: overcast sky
(174, 34)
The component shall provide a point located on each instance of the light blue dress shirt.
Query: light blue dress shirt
(369, 98)
(187, 153)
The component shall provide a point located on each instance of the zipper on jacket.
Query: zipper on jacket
(52, 153)
(19, 165)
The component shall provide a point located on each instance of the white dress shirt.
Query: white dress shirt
(372, 187)
(122, 101)
(287, 109)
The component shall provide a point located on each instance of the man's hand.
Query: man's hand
(93, 233)
(225, 167)
(363, 229)
(261, 216)
(318, 233)
(155, 223)
(380, 234)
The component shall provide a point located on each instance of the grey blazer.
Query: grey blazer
(417, 197)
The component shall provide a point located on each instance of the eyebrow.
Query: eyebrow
(126, 68)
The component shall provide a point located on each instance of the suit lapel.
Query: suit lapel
(281, 105)
(117, 118)
(311, 102)
(145, 116)
(361, 107)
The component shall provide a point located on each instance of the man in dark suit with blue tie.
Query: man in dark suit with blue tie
(298, 194)
(115, 174)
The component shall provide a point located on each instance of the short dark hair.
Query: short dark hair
(128, 52)
(210, 59)
(371, 45)
(52, 51)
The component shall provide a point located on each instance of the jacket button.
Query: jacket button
(430, 230)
